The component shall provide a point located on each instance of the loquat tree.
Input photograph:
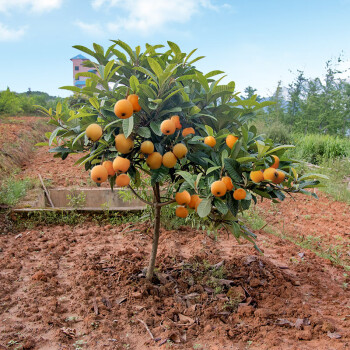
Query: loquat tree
(154, 113)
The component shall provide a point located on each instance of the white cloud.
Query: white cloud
(37, 6)
(151, 15)
(7, 34)
(93, 29)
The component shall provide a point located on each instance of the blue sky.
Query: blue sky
(256, 42)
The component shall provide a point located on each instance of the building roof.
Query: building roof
(79, 57)
(79, 82)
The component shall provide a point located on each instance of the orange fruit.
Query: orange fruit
(257, 176)
(181, 212)
(167, 127)
(180, 150)
(239, 194)
(99, 174)
(122, 180)
(108, 164)
(154, 160)
(197, 203)
(280, 178)
(176, 120)
(231, 140)
(123, 109)
(123, 145)
(169, 159)
(193, 201)
(210, 141)
(187, 131)
(218, 188)
(121, 165)
(134, 100)
(271, 174)
(147, 147)
(276, 163)
(93, 132)
(228, 182)
(182, 198)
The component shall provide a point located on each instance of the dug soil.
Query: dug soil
(83, 287)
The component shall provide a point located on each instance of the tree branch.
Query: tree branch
(139, 197)
(165, 203)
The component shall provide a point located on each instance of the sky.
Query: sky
(256, 42)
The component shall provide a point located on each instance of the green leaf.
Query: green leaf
(262, 148)
(155, 127)
(58, 108)
(71, 88)
(187, 177)
(40, 144)
(94, 102)
(174, 48)
(204, 208)
(243, 160)
(147, 72)
(221, 206)
(230, 166)
(209, 130)
(233, 205)
(155, 66)
(213, 168)
(144, 132)
(127, 48)
(278, 148)
(172, 110)
(84, 49)
(313, 177)
(159, 174)
(78, 138)
(107, 69)
(128, 125)
(134, 83)
(203, 81)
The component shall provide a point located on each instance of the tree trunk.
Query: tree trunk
(157, 210)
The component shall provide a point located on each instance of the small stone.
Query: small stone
(263, 313)
(255, 282)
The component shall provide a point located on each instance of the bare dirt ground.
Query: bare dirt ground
(82, 287)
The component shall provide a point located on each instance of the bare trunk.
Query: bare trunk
(157, 210)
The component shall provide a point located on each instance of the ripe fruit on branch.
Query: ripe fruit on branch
(154, 160)
(123, 109)
(181, 212)
(134, 100)
(239, 194)
(108, 164)
(231, 140)
(257, 176)
(99, 174)
(122, 180)
(169, 159)
(93, 132)
(176, 120)
(182, 198)
(167, 127)
(276, 163)
(280, 178)
(187, 131)
(180, 150)
(121, 165)
(197, 203)
(193, 201)
(123, 145)
(210, 141)
(218, 188)
(228, 182)
(147, 147)
(271, 174)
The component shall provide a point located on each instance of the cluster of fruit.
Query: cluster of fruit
(269, 174)
(124, 109)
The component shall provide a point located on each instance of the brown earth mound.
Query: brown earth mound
(65, 288)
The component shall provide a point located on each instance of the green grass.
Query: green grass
(12, 190)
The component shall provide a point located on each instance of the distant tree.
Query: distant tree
(276, 111)
(250, 92)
